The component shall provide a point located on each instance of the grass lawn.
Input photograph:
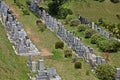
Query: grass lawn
(12, 67)
(95, 10)
(47, 40)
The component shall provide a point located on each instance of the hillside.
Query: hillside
(12, 67)
(95, 10)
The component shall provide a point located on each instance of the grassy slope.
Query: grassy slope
(95, 10)
(46, 40)
(12, 67)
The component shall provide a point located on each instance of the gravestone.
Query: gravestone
(34, 66)
(93, 25)
(98, 59)
(117, 73)
(99, 30)
(41, 65)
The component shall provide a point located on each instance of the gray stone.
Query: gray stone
(98, 59)
(117, 73)
(41, 65)
(34, 66)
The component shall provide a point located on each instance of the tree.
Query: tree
(56, 9)
(105, 72)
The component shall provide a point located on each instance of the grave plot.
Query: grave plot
(73, 42)
(16, 33)
(94, 27)
(41, 72)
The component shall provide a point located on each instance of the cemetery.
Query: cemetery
(42, 72)
(24, 46)
(72, 41)
(16, 33)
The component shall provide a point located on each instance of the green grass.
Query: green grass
(12, 67)
(47, 40)
(95, 10)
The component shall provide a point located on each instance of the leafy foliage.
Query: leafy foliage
(96, 38)
(81, 28)
(74, 23)
(56, 9)
(105, 72)
(59, 44)
(89, 33)
(68, 53)
(115, 1)
(78, 65)
(108, 46)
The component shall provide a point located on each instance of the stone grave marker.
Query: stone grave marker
(98, 59)
(41, 65)
(117, 73)
(34, 66)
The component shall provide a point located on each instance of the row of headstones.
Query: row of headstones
(94, 27)
(73, 42)
(15, 31)
(42, 73)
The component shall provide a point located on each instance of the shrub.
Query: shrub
(118, 16)
(96, 38)
(59, 45)
(63, 12)
(89, 33)
(81, 28)
(68, 19)
(28, 2)
(105, 72)
(69, 11)
(115, 1)
(74, 23)
(38, 22)
(108, 46)
(68, 53)
(78, 65)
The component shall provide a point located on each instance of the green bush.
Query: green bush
(28, 2)
(118, 16)
(81, 28)
(68, 53)
(105, 72)
(59, 45)
(68, 19)
(89, 33)
(108, 46)
(74, 23)
(78, 65)
(115, 1)
(95, 38)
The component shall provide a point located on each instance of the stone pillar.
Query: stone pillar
(33, 66)
(117, 73)
(93, 25)
(98, 60)
(41, 65)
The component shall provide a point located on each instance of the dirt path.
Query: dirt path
(45, 52)
(12, 7)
